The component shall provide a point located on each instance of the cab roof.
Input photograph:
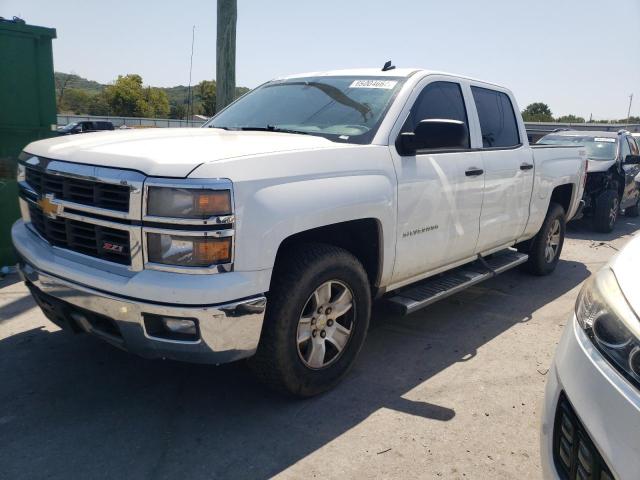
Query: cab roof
(378, 72)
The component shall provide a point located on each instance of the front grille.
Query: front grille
(83, 237)
(94, 194)
(574, 454)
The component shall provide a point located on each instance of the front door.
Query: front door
(631, 194)
(439, 192)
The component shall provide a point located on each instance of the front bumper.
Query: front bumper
(226, 332)
(607, 406)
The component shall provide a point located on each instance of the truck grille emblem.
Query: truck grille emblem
(49, 207)
(112, 247)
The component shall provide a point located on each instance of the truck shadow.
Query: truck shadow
(583, 230)
(74, 407)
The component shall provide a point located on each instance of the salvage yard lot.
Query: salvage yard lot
(452, 391)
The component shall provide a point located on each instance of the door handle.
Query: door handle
(474, 172)
(526, 166)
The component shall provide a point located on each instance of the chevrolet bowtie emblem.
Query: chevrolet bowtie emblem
(49, 207)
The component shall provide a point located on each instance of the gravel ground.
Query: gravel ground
(452, 391)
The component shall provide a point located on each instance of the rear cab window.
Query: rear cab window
(497, 118)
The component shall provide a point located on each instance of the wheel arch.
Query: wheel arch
(363, 238)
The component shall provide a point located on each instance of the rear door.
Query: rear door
(508, 166)
(439, 202)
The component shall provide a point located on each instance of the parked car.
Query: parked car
(85, 127)
(267, 233)
(591, 419)
(614, 163)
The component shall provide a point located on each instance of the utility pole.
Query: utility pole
(189, 94)
(629, 111)
(226, 53)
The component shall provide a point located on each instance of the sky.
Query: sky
(578, 56)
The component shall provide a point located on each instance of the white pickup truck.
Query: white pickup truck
(269, 232)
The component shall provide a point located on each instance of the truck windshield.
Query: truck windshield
(341, 108)
(598, 148)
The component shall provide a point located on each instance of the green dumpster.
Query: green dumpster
(27, 109)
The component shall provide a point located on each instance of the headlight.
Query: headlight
(188, 251)
(605, 315)
(193, 203)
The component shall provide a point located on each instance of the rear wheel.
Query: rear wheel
(317, 318)
(545, 248)
(606, 211)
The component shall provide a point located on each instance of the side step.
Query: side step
(418, 295)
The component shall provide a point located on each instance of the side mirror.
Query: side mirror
(632, 160)
(434, 134)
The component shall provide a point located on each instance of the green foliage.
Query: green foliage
(75, 100)
(128, 97)
(570, 119)
(206, 93)
(537, 112)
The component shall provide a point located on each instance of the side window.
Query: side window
(497, 119)
(633, 145)
(441, 100)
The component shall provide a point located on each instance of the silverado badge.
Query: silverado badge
(49, 207)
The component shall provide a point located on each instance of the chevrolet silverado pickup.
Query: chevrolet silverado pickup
(268, 233)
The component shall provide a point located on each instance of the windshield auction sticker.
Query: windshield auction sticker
(604, 139)
(386, 84)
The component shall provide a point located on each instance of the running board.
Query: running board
(419, 295)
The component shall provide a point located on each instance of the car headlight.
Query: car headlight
(605, 315)
(193, 203)
(188, 250)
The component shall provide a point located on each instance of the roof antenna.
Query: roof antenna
(388, 66)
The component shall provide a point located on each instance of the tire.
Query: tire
(543, 261)
(303, 368)
(606, 211)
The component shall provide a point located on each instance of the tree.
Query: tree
(157, 103)
(206, 92)
(178, 111)
(570, 119)
(99, 105)
(75, 101)
(537, 112)
(127, 98)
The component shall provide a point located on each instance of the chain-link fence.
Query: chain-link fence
(131, 121)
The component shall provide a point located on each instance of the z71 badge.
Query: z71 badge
(112, 247)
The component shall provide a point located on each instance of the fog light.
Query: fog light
(171, 328)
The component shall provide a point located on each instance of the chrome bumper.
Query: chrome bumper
(226, 332)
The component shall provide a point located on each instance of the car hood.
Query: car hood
(599, 165)
(626, 266)
(170, 152)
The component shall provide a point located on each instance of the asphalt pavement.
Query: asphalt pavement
(452, 391)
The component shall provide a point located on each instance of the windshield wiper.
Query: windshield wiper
(270, 128)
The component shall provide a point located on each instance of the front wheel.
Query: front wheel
(545, 248)
(606, 211)
(317, 318)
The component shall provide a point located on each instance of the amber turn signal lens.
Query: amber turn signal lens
(212, 250)
(209, 203)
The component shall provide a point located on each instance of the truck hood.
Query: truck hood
(599, 165)
(170, 152)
